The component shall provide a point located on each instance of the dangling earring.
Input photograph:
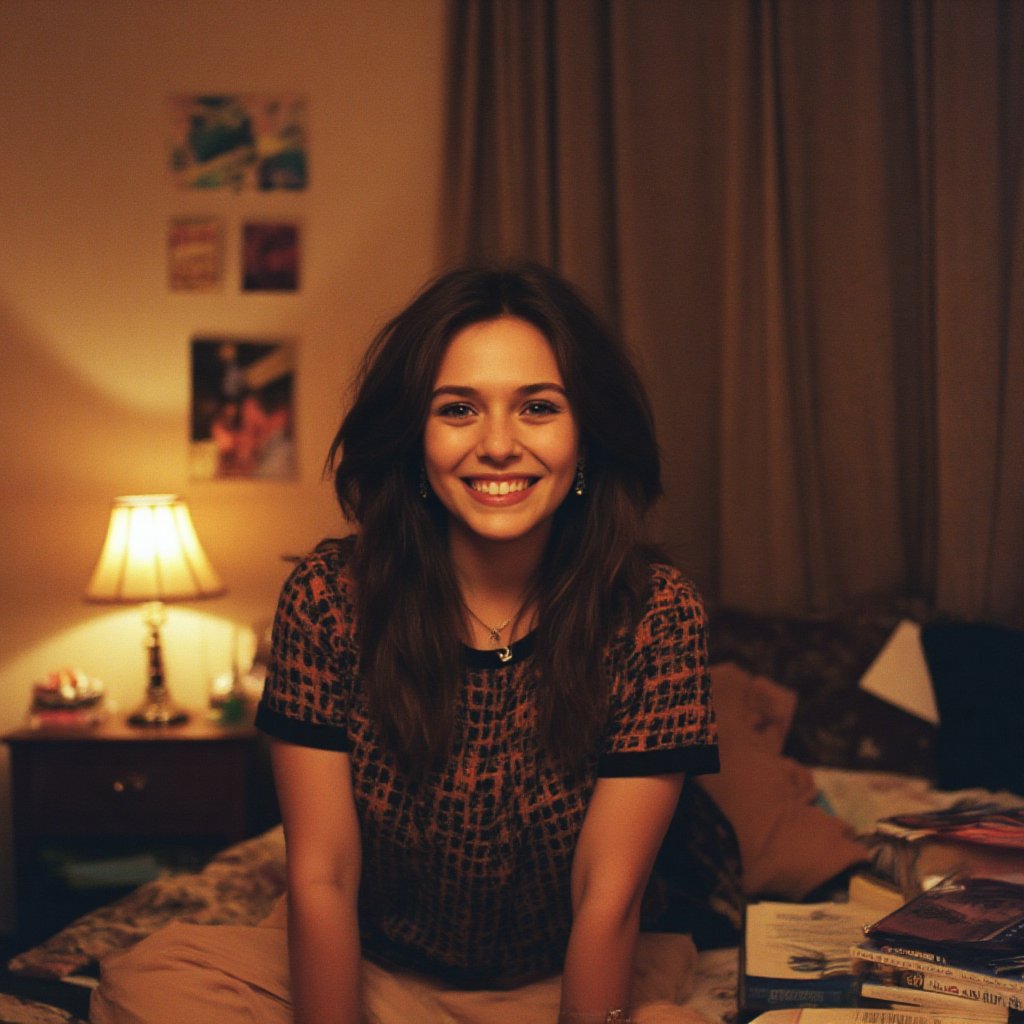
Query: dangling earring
(581, 484)
(424, 490)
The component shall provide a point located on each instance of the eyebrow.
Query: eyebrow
(526, 390)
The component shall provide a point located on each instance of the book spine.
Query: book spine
(937, 984)
(992, 982)
(760, 994)
(937, 1001)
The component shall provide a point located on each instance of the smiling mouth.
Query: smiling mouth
(496, 488)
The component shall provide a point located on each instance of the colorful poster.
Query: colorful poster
(270, 257)
(195, 254)
(242, 409)
(245, 142)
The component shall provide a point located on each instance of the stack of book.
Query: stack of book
(955, 951)
(923, 947)
(916, 850)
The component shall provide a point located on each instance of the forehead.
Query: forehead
(505, 350)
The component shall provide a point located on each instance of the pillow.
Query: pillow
(788, 845)
(977, 674)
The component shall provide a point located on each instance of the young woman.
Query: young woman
(483, 705)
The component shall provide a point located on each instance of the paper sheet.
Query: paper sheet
(900, 676)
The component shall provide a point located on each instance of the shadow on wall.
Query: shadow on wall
(68, 450)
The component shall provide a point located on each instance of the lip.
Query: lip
(508, 490)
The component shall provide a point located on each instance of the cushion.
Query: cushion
(789, 846)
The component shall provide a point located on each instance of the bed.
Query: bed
(810, 762)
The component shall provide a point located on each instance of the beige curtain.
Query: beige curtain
(807, 220)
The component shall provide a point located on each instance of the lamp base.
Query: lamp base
(157, 713)
(157, 710)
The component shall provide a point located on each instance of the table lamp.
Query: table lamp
(152, 555)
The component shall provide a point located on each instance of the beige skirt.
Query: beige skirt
(228, 974)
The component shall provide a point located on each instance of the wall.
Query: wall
(94, 348)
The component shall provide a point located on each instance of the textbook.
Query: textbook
(798, 955)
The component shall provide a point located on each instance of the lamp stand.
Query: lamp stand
(157, 709)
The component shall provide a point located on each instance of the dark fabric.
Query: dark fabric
(690, 760)
(72, 999)
(978, 675)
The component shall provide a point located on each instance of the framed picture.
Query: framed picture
(242, 409)
(195, 254)
(248, 141)
(270, 256)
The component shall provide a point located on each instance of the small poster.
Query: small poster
(245, 142)
(270, 257)
(195, 254)
(242, 409)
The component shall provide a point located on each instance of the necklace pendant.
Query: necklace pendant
(504, 654)
(495, 636)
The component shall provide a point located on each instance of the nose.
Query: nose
(498, 439)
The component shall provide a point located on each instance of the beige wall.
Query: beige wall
(94, 348)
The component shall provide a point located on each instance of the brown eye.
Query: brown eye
(540, 407)
(455, 410)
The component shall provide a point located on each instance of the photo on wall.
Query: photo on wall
(195, 254)
(270, 256)
(245, 142)
(243, 414)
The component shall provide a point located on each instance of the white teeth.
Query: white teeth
(495, 487)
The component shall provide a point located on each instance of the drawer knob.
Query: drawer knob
(133, 782)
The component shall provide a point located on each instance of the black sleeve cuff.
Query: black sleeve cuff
(689, 760)
(304, 734)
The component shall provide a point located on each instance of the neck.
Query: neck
(494, 578)
(494, 570)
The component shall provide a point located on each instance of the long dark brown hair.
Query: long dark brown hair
(594, 575)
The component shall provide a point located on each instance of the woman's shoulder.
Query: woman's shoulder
(669, 586)
(326, 570)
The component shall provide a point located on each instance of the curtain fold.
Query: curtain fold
(806, 219)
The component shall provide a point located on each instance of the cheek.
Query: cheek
(440, 450)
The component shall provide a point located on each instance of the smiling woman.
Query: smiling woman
(482, 706)
(501, 446)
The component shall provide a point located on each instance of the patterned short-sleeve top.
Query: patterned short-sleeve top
(466, 870)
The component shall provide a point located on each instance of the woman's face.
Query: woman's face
(501, 442)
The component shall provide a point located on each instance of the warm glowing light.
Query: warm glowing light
(152, 553)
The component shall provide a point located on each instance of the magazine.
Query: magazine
(985, 824)
(969, 918)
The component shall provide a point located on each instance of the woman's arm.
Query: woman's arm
(314, 789)
(623, 829)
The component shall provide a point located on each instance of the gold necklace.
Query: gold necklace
(504, 652)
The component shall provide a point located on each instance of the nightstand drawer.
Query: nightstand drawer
(138, 789)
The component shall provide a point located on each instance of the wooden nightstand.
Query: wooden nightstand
(114, 791)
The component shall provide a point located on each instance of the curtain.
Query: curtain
(806, 220)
